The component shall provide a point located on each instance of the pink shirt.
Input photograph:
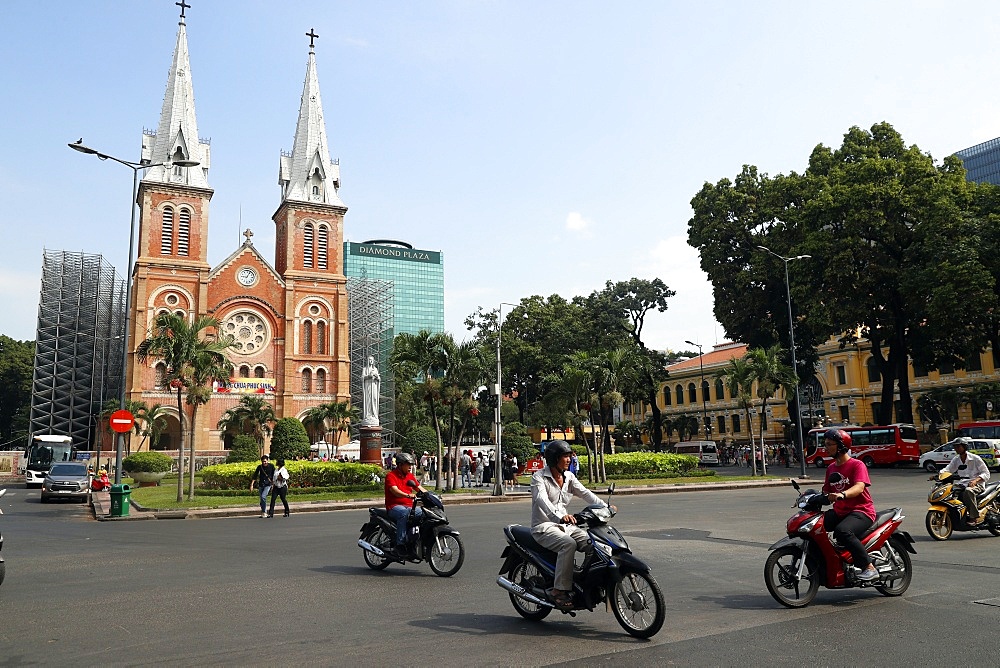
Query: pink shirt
(851, 472)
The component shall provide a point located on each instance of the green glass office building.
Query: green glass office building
(417, 277)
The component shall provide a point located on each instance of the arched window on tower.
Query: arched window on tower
(167, 232)
(177, 157)
(160, 380)
(259, 371)
(307, 338)
(321, 381)
(244, 371)
(307, 245)
(321, 247)
(320, 338)
(183, 231)
(307, 381)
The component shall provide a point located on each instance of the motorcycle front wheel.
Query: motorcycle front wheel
(527, 575)
(899, 558)
(780, 572)
(447, 555)
(938, 524)
(379, 539)
(638, 604)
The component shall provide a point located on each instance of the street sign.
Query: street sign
(122, 421)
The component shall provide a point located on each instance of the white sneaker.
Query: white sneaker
(263, 515)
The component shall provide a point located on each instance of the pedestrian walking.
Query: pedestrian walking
(465, 467)
(477, 469)
(280, 487)
(263, 477)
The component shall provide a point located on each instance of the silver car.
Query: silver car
(66, 481)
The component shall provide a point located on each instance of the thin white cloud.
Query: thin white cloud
(576, 223)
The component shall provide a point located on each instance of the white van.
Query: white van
(707, 452)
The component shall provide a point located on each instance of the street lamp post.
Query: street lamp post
(704, 406)
(135, 167)
(795, 370)
(498, 460)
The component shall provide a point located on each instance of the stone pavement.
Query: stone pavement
(101, 501)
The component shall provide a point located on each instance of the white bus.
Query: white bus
(707, 452)
(44, 451)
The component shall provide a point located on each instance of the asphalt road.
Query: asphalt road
(254, 591)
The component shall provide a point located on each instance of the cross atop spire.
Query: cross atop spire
(248, 234)
(183, 5)
(311, 35)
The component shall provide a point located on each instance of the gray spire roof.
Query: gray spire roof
(308, 174)
(176, 137)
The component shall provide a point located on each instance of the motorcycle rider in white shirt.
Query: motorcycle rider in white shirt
(973, 471)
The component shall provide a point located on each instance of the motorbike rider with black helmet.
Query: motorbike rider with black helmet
(973, 471)
(399, 497)
(853, 511)
(552, 526)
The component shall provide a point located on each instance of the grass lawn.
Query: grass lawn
(164, 497)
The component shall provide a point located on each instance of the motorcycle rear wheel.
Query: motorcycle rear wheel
(379, 539)
(527, 575)
(938, 524)
(780, 570)
(448, 562)
(897, 555)
(638, 604)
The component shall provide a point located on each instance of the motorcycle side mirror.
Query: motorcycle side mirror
(611, 489)
(410, 483)
(795, 485)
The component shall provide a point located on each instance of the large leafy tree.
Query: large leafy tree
(893, 239)
(16, 366)
(253, 416)
(194, 357)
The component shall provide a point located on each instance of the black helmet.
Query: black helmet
(403, 458)
(842, 438)
(555, 450)
(964, 441)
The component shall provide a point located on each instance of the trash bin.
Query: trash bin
(120, 500)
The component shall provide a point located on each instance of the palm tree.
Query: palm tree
(423, 356)
(464, 373)
(193, 359)
(136, 408)
(154, 422)
(739, 377)
(335, 416)
(771, 375)
(253, 416)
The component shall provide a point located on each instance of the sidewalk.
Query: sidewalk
(101, 501)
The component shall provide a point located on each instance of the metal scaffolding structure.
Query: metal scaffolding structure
(370, 311)
(78, 345)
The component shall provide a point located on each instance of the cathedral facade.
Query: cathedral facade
(288, 319)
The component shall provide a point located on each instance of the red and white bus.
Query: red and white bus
(877, 445)
(984, 430)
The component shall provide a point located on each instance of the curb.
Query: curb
(357, 504)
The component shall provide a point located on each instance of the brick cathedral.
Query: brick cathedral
(288, 319)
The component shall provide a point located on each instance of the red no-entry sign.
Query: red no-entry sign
(122, 421)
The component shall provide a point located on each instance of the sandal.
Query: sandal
(560, 598)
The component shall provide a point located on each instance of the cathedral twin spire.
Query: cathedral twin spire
(307, 174)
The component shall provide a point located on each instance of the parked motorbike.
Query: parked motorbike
(948, 513)
(3, 567)
(809, 557)
(428, 538)
(609, 573)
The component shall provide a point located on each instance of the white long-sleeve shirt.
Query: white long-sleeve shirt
(549, 500)
(975, 467)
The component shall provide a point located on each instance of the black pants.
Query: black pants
(275, 493)
(848, 531)
(968, 497)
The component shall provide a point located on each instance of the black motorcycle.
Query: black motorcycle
(428, 538)
(3, 567)
(609, 573)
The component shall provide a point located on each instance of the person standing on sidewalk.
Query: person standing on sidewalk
(263, 477)
(280, 487)
(465, 467)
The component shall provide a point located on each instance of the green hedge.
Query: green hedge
(147, 462)
(646, 464)
(300, 491)
(303, 475)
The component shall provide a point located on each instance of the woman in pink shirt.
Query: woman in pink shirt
(853, 512)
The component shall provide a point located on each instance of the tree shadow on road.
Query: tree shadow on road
(395, 571)
(741, 601)
(491, 625)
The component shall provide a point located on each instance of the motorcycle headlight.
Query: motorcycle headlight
(603, 547)
(808, 526)
(939, 493)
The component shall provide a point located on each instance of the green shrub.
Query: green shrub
(289, 440)
(245, 449)
(646, 464)
(580, 450)
(147, 462)
(303, 475)
(419, 439)
(299, 491)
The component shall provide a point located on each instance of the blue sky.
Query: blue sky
(545, 147)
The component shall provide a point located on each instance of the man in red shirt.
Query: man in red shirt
(853, 512)
(399, 496)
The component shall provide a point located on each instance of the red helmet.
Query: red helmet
(842, 438)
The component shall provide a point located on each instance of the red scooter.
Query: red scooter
(808, 556)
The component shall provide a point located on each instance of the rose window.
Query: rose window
(249, 332)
